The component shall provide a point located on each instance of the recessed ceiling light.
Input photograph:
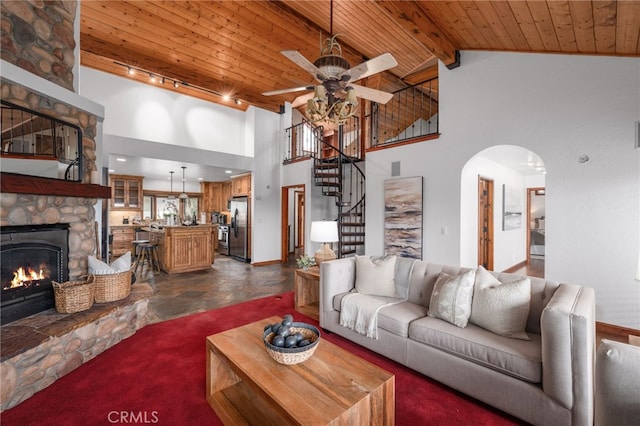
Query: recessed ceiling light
(111, 171)
(225, 97)
(200, 178)
(122, 160)
(228, 171)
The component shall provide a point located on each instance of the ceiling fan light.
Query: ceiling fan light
(351, 98)
(320, 93)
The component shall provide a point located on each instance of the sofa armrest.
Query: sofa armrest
(617, 384)
(568, 350)
(336, 276)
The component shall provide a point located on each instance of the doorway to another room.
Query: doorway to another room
(292, 222)
(536, 231)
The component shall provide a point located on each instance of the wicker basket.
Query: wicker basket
(291, 356)
(110, 288)
(74, 296)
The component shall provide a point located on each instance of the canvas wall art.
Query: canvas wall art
(403, 217)
(511, 208)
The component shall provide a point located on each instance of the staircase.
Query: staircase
(337, 172)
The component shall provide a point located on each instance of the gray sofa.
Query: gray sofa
(547, 380)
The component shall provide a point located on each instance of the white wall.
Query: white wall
(144, 112)
(559, 106)
(266, 187)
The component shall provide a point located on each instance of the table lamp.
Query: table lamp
(324, 232)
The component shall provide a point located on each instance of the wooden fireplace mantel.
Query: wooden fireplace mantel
(22, 184)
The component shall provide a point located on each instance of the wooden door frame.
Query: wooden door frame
(300, 219)
(490, 221)
(284, 219)
(529, 192)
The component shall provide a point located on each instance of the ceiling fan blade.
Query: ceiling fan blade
(291, 90)
(370, 67)
(305, 64)
(301, 100)
(372, 94)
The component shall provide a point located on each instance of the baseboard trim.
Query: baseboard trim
(616, 330)
(267, 263)
(516, 267)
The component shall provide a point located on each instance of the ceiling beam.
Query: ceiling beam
(414, 20)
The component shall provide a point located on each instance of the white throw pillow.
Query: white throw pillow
(501, 308)
(451, 298)
(375, 277)
(98, 267)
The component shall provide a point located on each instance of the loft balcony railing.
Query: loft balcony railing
(302, 141)
(412, 114)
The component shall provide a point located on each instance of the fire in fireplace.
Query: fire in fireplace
(32, 257)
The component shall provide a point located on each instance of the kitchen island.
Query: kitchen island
(185, 248)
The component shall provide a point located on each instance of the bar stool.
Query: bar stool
(148, 253)
(135, 244)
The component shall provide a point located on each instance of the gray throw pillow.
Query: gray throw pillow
(375, 277)
(451, 298)
(502, 308)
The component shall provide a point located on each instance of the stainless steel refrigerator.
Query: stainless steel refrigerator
(238, 232)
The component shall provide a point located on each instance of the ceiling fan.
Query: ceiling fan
(335, 98)
(334, 74)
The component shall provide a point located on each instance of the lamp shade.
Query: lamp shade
(324, 231)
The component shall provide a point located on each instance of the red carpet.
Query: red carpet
(157, 376)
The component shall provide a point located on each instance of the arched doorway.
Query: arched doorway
(494, 206)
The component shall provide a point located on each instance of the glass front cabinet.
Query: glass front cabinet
(126, 191)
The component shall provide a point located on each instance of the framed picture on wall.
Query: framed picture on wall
(403, 217)
(511, 208)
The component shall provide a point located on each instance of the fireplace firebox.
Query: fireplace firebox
(31, 257)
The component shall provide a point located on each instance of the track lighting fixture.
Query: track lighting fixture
(156, 78)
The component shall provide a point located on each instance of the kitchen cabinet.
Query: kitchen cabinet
(241, 185)
(226, 195)
(215, 196)
(211, 196)
(126, 192)
(185, 248)
(122, 237)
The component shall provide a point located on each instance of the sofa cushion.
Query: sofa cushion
(375, 277)
(451, 298)
(502, 308)
(396, 318)
(519, 358)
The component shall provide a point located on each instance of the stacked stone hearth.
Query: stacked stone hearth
(38, 37)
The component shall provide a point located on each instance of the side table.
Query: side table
(307, 292)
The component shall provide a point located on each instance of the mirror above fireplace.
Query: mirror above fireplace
(37, 145)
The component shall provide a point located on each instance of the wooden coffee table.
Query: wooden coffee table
(246, 386)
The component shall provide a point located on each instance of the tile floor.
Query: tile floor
(228, 282)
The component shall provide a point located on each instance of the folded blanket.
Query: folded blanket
(359, 312)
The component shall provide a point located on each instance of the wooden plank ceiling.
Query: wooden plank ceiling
(233, 47)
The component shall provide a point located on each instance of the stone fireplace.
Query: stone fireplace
(38, 63)
(33, 257)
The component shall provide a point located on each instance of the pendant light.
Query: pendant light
(170, 210)
(184, 195)
(171, 196)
